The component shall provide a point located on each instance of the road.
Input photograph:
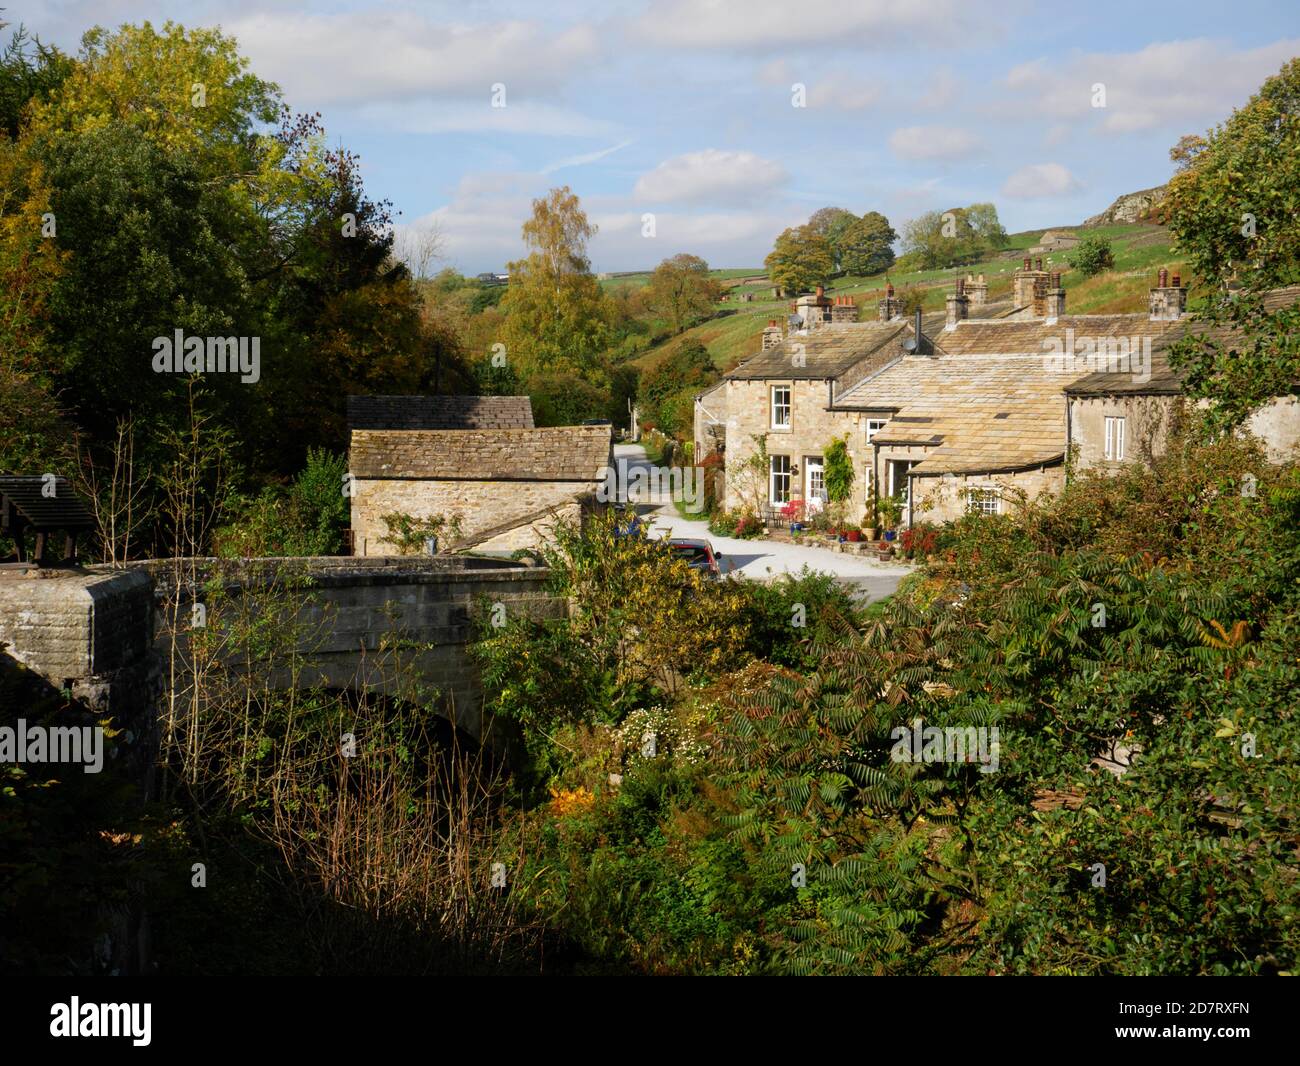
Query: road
(763, 559)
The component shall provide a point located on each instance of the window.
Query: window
(984, 501)
(780, 406)
(779, 490)
(1114, 438)
(874, 426)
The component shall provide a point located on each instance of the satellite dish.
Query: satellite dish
(909, 345)
(795, 320)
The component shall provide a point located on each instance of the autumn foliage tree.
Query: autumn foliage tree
(681, 291)
(556, 316)
(1234, 209)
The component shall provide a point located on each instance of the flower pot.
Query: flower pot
(869, 533)
(890, 534)
(854, 535)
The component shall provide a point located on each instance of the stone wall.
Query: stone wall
(1147, 420)
(482, 505)
(812, 427)
(90, 631)
(399, 626)
(945, 499)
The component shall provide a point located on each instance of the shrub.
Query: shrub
(1092, 255)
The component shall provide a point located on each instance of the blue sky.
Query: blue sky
(684, 108)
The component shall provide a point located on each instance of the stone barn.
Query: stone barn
(461, 456)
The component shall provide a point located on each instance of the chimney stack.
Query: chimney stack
(958, 305)
(1029, 290)
(888, 306)
(845, 310)
(978, 290)
(772, 334)
(1055, 298)
(1168, 302)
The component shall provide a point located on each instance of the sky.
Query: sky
(686, 110)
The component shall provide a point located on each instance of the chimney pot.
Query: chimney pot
(889, 289)
(1027, 264)
(1178, 282)
(1038, 265)
(1163, 278)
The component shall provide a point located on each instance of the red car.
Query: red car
(698, 554)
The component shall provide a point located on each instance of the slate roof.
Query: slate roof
(440, 412)
(827, 352)
(1164, 379)
(979, 413)
(561, 453)
(1034, 336)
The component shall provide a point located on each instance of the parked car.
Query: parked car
(698, 553)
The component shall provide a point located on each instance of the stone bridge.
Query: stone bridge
(392, 625)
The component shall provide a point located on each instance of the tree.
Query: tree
(557, 317)
(800, 259)
(832, 223)
(1235, 213)
(419, 249)
(865, 246)
(838, 475)
(1092, 255)
(687, 368)
(681, 291)
(987, 230)
(29, 71)
(958, 235)
(936, 241)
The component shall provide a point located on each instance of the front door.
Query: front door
(814, 482)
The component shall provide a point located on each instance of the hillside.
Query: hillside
(1139, 250)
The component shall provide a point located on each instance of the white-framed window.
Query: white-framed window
(1114, 437)
(874, 426)
(780, 406)
(779, 487)
(984, 501)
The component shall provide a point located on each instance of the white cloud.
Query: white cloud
(1192, 83)
(356, 57)
(933, 143)
(1040, 180)
(770, 25)
(711, 176)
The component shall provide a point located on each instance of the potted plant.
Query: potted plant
(891, 513)
(869, 524)
(852, 534)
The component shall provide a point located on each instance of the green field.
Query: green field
(736, 332)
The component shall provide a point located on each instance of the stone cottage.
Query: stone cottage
(969, 409)
(478, 458)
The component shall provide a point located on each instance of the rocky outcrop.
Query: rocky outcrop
(1132, 207)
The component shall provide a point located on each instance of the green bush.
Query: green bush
(1092, 255)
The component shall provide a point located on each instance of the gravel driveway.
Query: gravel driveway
(767, 558)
